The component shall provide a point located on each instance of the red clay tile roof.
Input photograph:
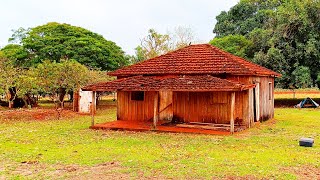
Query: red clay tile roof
(173, 83)
(195, 59)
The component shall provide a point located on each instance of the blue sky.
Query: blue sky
(122, 21)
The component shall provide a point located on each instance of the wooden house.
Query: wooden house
(198, 84)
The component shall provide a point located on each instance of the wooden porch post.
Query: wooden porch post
(93, 104)
(232, 112)
(155, 110)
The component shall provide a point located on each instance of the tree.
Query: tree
(234, 44)
(156, 44)
(245, 16)
(182, 37)
(55, 41)
(302, 77)
(17, 54)
(284, 34)
(8, 79)
(58, 78)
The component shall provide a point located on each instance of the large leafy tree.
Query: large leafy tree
(17, 54)
(285, 36)
(55, 41)
(235, 44)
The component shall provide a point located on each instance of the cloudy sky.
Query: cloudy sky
(122, 21)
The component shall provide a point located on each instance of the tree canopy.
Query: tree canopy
(284, 36)
(156, 44)
(55, 41)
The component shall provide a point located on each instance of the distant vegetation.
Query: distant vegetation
(278, 34)
(54, 59)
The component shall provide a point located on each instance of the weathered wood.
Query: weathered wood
(76, 98)
(165, 105)
(203, 127)
(93, 104)
(155, 110)
(132, 110)
(206, 107)
(266, 109)
(232, 108)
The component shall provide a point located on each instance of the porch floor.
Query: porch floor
(147, 126)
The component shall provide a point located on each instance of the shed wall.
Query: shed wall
(132, 110)
(206, 107)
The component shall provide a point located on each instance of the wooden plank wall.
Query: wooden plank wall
(207, 107)
(266, 104)
(165, 105)
(131, 110)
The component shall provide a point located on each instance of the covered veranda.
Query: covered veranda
(148, 110)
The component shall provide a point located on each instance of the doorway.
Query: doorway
(256, 102)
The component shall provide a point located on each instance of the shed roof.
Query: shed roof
(173, 83)
(195, 59)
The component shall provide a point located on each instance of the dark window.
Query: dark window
(270, 91)
(137, 95)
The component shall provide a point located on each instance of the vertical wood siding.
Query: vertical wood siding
(131, 110)
(207, 107)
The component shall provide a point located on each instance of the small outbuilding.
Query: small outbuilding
(196, 86)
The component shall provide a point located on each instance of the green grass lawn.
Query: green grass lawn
(48, 148)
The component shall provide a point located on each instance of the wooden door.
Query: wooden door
(256, 99)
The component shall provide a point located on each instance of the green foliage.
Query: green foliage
(154, 44)
(245, 17)
(302, 77)
(67, 74)
(8, 75)
(284, 33)
(17, 54)
(140, 54)
(234, 44)
(22, 81)
(54, 41)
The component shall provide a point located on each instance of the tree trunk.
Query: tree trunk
(62, 92)
(71, 95)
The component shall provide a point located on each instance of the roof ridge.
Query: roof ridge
(143, 61)
(228, 55)
(247, 61)
(195, 59)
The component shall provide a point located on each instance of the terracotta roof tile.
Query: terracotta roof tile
(172, 83)
(195, 59)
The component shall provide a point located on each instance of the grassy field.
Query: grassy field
(60, 149)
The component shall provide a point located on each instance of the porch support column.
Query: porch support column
(232, 106)
(155, 110)
(93, 107)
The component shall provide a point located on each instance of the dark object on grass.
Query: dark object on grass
(306, 142)
(307, 103)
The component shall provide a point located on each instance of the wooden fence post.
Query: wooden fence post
(155, 110)
(232, 106)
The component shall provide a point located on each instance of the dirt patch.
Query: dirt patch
(35, 170)
(304, 172)
(248, 177)
(108, 170)
(38, 114)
